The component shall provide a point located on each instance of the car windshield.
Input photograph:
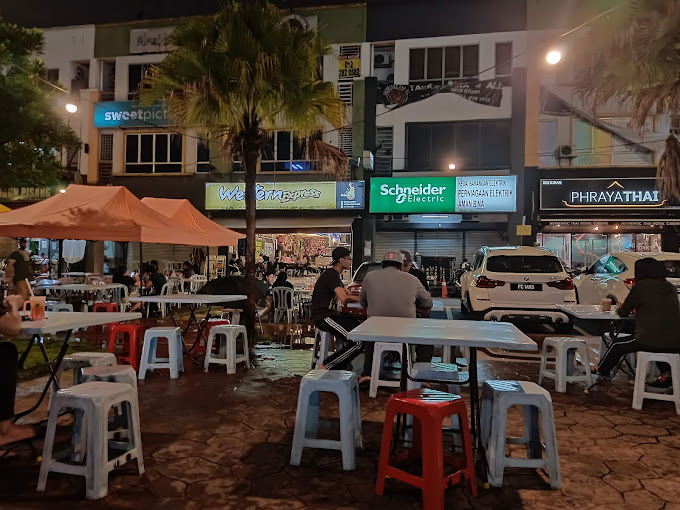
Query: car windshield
(364, 269)
(672, 268)
(524, 264)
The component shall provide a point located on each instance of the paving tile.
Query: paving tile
(643, 499)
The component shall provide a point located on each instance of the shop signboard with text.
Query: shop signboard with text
(463, 194)
(327, 195)
(600, 193)
(128, 114)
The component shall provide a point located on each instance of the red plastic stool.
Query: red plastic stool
(429, 408)
(105, 307)
(130, 334)
(201, 346)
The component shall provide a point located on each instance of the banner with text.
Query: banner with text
(468, 194)
(600, 193)
(130, 114)
(488, 92)
(287, 195)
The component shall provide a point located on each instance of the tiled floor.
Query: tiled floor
(219, 441)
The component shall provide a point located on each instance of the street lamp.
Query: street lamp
(452, 166)
(71, 108)
(553, 57)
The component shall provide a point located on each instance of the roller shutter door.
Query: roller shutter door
(475, 240)
(442, 243)
(385, 241)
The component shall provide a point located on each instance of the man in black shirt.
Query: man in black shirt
(327, 291)
(409, 268)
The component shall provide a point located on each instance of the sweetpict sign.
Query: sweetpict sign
(473, 194)
(287, 195)
(129, 114)
(561, 194)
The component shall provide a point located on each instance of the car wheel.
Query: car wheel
(564, 328)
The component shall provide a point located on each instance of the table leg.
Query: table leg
(474, 397)
(51, 380)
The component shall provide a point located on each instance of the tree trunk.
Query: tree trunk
(251, 151)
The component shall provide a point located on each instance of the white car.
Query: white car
(613, 275)
(518, 283)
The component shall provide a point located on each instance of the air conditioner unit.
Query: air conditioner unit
(566, 152)
(382, 60)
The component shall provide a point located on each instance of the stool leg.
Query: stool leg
(312, 414)
(231, 354)
(385, 451)
(347, 430)
(300, 427)
(48, 446)
(551, 455)
(97, 479)
(496, 452)
(466, 438)
(532, 432)
(180, 352)
(585, 359)
(174, 361)
(359, 435)
(375, 373)
(485, 421)
(433, 463)
(134, 429)
(246, 349)
(79, 437)
(560, 370)
(146, 354)
(640, 379)
(544, 358)
(133, 359)
(208, 351)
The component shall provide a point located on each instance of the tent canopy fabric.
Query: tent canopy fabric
(97, 213)
(182, 212)
(4, 208)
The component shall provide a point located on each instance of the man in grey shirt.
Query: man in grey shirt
(391, 292)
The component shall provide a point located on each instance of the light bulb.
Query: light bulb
(553, 57)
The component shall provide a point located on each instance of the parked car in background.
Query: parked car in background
(518, 283)
(613, 275)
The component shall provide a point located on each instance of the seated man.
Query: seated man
(187, 269)
(327, 292)
(392, 292)
(10, 325)
(657, 317)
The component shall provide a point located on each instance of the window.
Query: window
(524, 264)
(438, 65)
(599, 266)
(53, 75)
(614, 266)
(283, 151)
(470, 145)
(203, 161)
(595, 146)
(149, 153)
(503, 60)
(547, 143)
(136, 73)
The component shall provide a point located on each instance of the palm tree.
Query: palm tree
(237, 74)
(633, 56)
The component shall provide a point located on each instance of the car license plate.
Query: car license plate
(526, 286)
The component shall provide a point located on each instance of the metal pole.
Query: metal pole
(208, 264)
(141, 258)
(61, 250)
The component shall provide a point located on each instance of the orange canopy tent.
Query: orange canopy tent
(182, 212)
(97, 213)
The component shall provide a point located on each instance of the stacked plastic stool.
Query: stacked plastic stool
(226, 337)
(643, 366)
(94, 400)
(346, 386)
(497, 397)
(175, 360)
(376, 381)
(79, 360)
(58, 306)
(322, 345)
(130, 334)
(105, 307)
(429, 409)
(564, 348)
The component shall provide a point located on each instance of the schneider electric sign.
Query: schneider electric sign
(469, 194)
(287, 195)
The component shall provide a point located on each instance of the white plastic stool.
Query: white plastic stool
(57, 306)
(497, 397)
(175, 361)
(379, 350)
(564, 348)
(94, 399)
(322, 343)
(644, 360)
(345, 385)
(226, 355)
(79, 360)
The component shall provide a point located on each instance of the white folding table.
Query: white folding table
(471, 334)
(194, 301)
(62, 322)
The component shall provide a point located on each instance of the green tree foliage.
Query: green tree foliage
(31, 133)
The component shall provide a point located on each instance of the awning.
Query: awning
(292, 225)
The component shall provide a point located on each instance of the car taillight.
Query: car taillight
(566, 284)
(629, 282)
(483, 282)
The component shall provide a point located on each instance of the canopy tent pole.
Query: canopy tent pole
(208, 263)
(61, 251)
(141, 258)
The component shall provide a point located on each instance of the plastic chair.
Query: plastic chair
(644, 363)
(284, 304)
(196, 283)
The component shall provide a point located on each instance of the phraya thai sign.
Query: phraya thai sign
(287, 195)
(487, 92)
(560, 194)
